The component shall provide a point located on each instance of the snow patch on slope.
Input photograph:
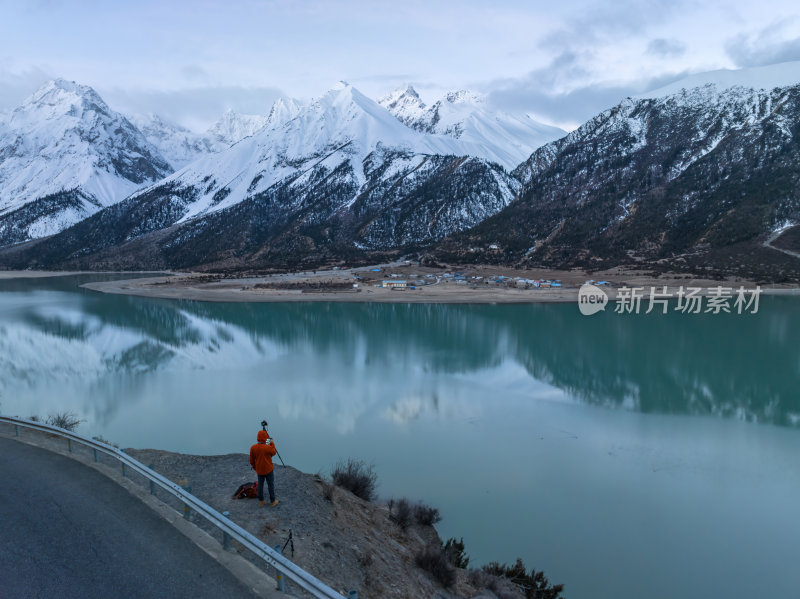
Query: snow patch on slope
(342, 126)
(178, 145)
(65, 137)
(502, 137)
(233, 127)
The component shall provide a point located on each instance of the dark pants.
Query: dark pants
(270, 478)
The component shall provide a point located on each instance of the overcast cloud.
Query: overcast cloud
(563, 61)
(768, 46)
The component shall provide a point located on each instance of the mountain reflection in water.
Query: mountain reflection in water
(740, 366)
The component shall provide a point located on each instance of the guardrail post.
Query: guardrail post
(123, 468)
(352, 595)
(95, 454)
(69, 445)
(188, 489)
(226, 538)
(152, 482)
(16, 427)
(278, 574)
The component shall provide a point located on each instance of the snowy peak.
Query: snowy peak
(233, 127)
(403, 96)
(66, 96)
(283, 110)
(501, 137)
(65, 138)
(340, 85)
(345, 116)
(58, 99)
(342, 131)
(343, 97)
(696, 180)
(406, 105)
(464, 97)
(178, 145)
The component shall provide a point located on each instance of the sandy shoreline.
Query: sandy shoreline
(234, 291)
(430, 285)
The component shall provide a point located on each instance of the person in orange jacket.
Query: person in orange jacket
(261, 461)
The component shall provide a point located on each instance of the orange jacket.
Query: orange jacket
(261, 454)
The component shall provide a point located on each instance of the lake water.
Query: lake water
(637, 456)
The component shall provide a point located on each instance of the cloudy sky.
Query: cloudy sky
(559, 61)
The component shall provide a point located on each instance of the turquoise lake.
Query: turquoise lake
(627, 456)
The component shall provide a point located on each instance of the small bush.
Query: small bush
(426, 515)
(66, 420)
(104, 440)
(456, 553)
(357, 477)
(402, 514)
(535, 584)
(433, 560)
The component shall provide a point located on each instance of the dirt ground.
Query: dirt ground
(430, 285)
(348, 543)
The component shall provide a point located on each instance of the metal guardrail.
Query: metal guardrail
(292, 571)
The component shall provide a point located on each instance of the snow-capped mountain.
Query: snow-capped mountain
(283, 110)
(233, 127)
(178, 145)
(502, 137)
(64, 155)
(682, 179)
(342, 173)
(343, 126)
(699, 176)
(406, 105)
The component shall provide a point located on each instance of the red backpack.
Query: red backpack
(246, 490)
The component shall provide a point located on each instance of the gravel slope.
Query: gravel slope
(348, 543)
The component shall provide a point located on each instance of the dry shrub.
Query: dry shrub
(400, 511)
(357, 477)
(426, 515)
(66, 420)
(433, 559)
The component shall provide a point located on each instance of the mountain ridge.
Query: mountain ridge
(502, 137)
(64, 139)
(342, 176)
(691, 181)
(702, 179)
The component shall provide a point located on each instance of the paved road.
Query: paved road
(68, 531)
